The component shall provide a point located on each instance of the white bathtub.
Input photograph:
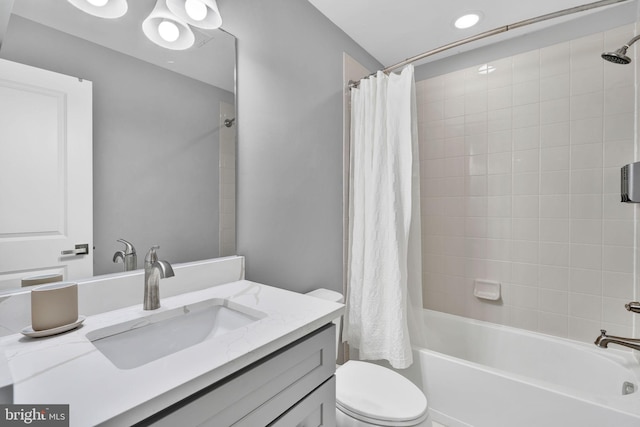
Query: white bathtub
(486, 375)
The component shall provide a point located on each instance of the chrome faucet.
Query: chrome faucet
(604, 340)
(128, 256)
(154, 270)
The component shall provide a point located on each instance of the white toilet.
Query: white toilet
(371, 395)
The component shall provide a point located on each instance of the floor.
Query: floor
(435, 424)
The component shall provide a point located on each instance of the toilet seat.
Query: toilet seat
(377, 395)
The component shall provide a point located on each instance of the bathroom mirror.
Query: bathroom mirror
(163, 128)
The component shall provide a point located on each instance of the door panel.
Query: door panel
(45, 173)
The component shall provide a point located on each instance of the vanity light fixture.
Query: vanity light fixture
(467, 20)
(199, 13)
(166, 29)
(109, 9)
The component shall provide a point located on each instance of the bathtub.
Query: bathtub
(481, 374)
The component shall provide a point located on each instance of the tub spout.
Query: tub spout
(604, 340)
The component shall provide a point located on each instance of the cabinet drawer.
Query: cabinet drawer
(260, 393)
(316, 410)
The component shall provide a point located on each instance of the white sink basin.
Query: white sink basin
(137, 342)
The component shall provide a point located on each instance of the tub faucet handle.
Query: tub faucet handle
(633, 306)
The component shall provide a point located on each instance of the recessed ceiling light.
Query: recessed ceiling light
(467, 21)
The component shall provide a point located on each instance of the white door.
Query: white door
(46, 182)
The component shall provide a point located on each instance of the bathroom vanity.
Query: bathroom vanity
(241, 353)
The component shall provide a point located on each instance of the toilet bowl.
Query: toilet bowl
(372, 395)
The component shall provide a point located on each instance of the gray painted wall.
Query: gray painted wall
(155, 146)
(290, 141)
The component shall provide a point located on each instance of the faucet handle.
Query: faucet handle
(152, 256)
(128, 247)
(633, 306)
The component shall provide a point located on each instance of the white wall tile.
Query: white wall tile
(587, 156)
(555, 111)
(555, 60)
(587, 131)
(586, 256)
(499, 98)
(618, 259)
(587, 106)
(520, 184)
(454, 147)
(583, 329)
(499, 142)
(553, 324)
(554, 277)
(526, 115)
(526, 161)
(502, 76)
(475, 144)
(555, 87)
(527, 92)
(499, 163)
(525, 274)
(526, 229)
(613, 311)
(586, 80)
(499, 185)
(619, 100)
(526, 184)
(557, 254)
(554, 159)
(618, 154)
(618, 126)
(554, 206)
(526, 138)
(499, 120)
(618, 232)
(454, 107)
(586, 181)
(585, 281)
(525, 206)
(554, 301)
(499, 207)
(617, 285)
(556, 182)
(585, 306)
(555, 134)
(554, 230)
(587, 231)
(526, 66)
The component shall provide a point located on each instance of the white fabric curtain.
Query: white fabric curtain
(384, 290)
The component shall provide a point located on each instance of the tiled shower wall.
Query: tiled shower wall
(520, 176)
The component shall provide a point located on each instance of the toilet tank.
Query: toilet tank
(333, 296)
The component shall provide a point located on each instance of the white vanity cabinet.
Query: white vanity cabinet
(294, 386)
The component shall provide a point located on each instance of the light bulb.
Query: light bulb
(168, 31)
(195, 9)
(467, 21)
(98, 3)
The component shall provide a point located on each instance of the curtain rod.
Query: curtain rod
(493, 32)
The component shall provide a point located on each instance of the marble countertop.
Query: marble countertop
(68, 369)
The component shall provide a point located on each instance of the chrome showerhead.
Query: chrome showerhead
(620, 55)
(617, 57)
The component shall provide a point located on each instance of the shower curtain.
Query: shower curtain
(384, 288)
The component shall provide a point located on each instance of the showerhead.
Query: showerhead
(617, 57)
(620, 55)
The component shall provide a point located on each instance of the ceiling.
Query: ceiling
(211, 59)
(393, 30)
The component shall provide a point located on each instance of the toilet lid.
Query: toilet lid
(371, 392)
